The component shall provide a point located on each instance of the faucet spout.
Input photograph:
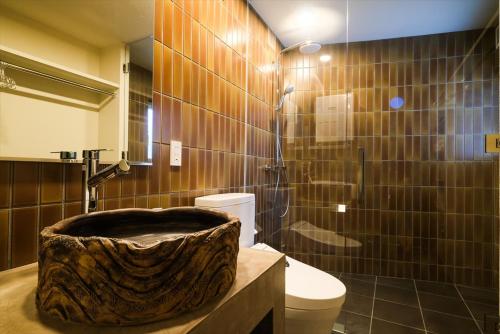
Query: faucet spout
(91, 179)
(120, 168)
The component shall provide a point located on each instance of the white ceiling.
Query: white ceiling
(98, 22)
(325, 21)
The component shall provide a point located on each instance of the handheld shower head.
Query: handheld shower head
(288, 90)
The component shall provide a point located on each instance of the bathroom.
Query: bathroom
(358, 137)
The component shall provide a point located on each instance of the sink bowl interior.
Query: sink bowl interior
(141, 226)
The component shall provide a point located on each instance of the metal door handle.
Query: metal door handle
(361, 174)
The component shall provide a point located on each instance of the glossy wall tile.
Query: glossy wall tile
(211, 91)
(419, 107)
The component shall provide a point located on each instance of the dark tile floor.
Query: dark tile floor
(376, 305)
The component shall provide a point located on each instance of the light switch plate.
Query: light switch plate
(175, 153)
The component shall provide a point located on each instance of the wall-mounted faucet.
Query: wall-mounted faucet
(91, 178)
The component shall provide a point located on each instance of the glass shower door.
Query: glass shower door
(323, 162)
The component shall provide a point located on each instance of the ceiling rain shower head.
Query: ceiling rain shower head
(309, 47)
(306, 47)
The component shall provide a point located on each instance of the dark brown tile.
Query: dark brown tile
(72, 209)
(141, 180)
(155, 171)
(112, 188)
(358, 304)
(112, 204)
(443, 323)
(397, 295)
(479, 310)
(5, 183)
(127, 202)
(437, 288)
(398, 313)
(51, 183)
(485, 296)
(401, 283)
(25, 184)
(141, 202)
(49, 215)
(24, 235)
(360, 287)
(383, 327)
(4, 239)
(354, 323)
(443, 304)
(73, 182)
(128, 183)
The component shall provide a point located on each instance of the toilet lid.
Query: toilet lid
(308, 288)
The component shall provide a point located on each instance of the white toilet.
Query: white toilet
(313, 298)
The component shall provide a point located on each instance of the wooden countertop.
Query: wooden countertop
(258, 288)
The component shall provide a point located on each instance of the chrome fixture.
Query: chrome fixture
(289, 89)
(305, 47)
(66, 156)
(5, 80)
(279, 164)
(4, 65)
(91, 179)
(361, 174)
(279, 168)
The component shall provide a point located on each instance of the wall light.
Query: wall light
(325, 58)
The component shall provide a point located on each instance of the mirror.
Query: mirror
(140, 105)
(76, 75)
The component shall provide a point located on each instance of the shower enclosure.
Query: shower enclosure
(384, 144)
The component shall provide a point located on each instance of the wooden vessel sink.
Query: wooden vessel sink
(133, 266)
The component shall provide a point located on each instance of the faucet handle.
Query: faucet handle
(93, 154)
(66, 155)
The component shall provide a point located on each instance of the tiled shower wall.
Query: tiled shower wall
(430, 206)
(212, 91)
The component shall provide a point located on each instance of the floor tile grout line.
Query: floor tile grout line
(420, 306)
(448, 314)
(398, 303)
(468, 309)
(399, 324)
(373, 305)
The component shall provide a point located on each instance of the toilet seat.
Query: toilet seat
(308, 288)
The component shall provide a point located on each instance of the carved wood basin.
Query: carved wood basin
(133, 266)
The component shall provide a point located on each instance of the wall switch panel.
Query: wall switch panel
(175, 153)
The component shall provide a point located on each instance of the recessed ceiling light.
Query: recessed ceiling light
(325, 58)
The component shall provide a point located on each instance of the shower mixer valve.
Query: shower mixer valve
(274, 168)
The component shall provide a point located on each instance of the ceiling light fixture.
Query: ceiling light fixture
(325, 58)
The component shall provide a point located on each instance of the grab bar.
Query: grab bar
(361, 174)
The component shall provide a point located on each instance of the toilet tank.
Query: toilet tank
(241, 205)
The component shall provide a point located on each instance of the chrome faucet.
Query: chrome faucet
(91, 179)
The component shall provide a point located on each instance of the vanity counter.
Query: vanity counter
(255, 303)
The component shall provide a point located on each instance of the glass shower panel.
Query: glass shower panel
(422, 105)
(325, 168)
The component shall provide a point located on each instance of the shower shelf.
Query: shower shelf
(46, 68)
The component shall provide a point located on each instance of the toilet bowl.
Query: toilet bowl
(313, 298)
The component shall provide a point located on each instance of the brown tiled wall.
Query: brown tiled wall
(430, 209)
(211, 90)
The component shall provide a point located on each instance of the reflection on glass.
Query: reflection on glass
(140, 126)
(333, 122)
